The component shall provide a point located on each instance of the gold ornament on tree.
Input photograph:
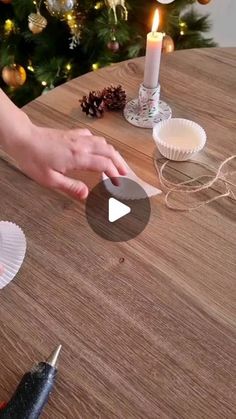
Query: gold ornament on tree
(37, 22)
(9, 27)
(113, 4)
(168, 44)
(14, 75)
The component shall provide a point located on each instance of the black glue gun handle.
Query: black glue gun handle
(31, 395)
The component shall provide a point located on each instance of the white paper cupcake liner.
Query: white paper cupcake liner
(12, 251)
(179, 139)
(123, 191)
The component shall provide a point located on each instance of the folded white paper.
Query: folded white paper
(125, 189)
(12, 251)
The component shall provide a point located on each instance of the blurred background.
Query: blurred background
(223, 17)
(44, 43)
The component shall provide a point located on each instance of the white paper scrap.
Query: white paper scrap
(125, 190)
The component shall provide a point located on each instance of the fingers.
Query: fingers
(109, 152)
(88, 145)
(100, 164)
(72, 187)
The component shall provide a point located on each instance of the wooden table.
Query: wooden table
(148, 327)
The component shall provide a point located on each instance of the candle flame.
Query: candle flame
(156, 21)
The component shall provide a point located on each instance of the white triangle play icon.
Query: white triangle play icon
(117, 210)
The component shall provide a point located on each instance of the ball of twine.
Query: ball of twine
(185, 187)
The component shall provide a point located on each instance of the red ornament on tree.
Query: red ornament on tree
(204, 1)
(113, 45)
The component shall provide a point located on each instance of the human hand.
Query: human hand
(46, 155)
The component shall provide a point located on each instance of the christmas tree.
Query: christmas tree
(45, 43)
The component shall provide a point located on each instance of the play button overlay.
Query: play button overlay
(117, 210)
(118, 218)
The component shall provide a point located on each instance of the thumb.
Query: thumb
(74, 188)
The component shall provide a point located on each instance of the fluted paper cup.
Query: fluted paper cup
(179, 139)
(12, 251)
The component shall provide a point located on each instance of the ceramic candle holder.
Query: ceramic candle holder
(147, 110)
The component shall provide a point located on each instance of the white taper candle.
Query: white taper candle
(153, 55)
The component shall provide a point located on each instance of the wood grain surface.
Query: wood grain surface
(148, 327)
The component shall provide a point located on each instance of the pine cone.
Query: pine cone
(114, 98)
(93, 104)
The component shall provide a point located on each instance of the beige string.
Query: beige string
(185, 188)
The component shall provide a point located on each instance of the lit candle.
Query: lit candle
(153, 55)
